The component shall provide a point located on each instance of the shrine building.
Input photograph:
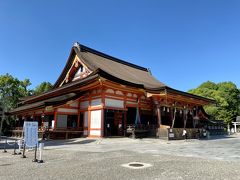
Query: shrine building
(98, 95)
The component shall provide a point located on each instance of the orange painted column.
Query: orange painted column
(42, 117)
(89, 115)
(78, 121)
(55, 119)
(103, 107)
(159, 115)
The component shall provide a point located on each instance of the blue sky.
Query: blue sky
(183, 42)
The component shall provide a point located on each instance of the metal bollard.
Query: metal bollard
(19, 146)
(14, 150)
(41, 145)
(5, 144)
(35, 155)
(24, 149)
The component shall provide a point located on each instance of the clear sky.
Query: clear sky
(183, 42)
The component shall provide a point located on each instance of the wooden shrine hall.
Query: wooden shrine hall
(97, 95)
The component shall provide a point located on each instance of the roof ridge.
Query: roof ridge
(83, 47)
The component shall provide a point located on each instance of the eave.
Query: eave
(168, 92)
(67, 88)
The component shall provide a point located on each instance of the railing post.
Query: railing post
(5, 144)
(24, 149)
(35, 155)
(14, 150)
(19, 146)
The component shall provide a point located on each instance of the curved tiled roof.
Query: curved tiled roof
(115, 67)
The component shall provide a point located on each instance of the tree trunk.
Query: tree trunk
(1, 125)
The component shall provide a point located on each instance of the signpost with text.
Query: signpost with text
(31, 133)
(30, 136)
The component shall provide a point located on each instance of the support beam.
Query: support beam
(185, 117)
(159, 115)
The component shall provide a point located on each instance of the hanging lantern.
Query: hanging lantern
(191, 112)
(43, 115)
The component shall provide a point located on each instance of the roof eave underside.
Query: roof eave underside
(167, 89)
(56, 101)
(65, 89)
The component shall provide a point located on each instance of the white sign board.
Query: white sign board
(171, 135)
(30, 133)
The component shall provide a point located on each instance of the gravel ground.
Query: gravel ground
(103, 159)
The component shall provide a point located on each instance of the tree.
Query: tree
(24, 87)
(11, 89)
(227, 99)
(43, 87)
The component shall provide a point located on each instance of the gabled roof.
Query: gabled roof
(118, 70)
(108, 65)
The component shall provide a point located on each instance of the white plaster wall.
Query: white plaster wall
(96, 117)
(96, 102)
(84, 104)
(74, 104)
(67, 110)
(95, 132)
(130, 102)
(114, 103)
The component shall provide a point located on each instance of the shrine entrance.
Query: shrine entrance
(113, 122)
(131, 115)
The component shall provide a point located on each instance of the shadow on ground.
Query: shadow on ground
(10, 143)
(67, 142)
(218, 137)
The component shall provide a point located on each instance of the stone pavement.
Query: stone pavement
(83, 158)
(219, 148)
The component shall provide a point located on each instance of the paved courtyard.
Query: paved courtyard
(217, 158)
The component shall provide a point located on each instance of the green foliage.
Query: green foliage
(11, 90)
(43, 87)
(227, 99)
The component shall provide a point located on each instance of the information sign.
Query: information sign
(30, 133)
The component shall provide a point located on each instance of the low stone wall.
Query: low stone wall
(162, 133)
(176, 133)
